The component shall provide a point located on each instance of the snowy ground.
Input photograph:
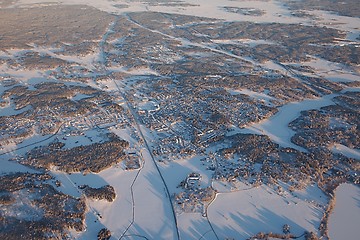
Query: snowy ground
(176, 171)
(344, 221)
(149, 195)
(242, 214)
(150, 200)
(194, 226)
(109, 212)
(12, 149)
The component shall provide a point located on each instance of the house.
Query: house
(192, 180)
(286, 229)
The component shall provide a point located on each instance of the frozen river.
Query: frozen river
(276, 127)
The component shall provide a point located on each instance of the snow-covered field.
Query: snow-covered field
(242, 214)
(12, 149)
(149, 195)
(274, 11)
(176, 171)
(194, 226)
(153, 217)
(344, 221)
(117, 215)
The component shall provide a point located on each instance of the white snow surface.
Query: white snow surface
(274, 11)
(348, 152)
(242, 214)
(116, 216)
(149, 198)
(194, 226)
(276, 127)
(255, 95)
(312, 193)
(344, 221)
(176, 171)
(8, 167)
(335, 72)
(152, 217)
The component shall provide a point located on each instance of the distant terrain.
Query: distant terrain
(181, 119)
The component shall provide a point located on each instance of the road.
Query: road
(145, 187)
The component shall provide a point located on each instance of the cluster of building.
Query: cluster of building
(193, 198)
(187, 118)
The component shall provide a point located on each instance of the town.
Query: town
(109, 113)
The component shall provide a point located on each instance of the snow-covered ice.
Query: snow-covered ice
(249, 42)
(276, 127)
(348, 152)
(255, 95)
(335, 72)
(8, 167)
